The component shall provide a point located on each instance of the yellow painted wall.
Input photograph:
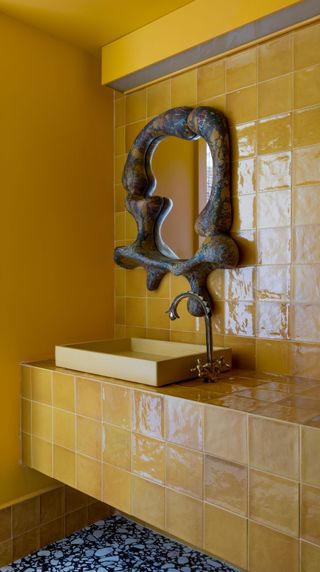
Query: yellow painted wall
(180, 30)
(56, 227)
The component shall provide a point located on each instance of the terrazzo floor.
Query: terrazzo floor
(118, 545)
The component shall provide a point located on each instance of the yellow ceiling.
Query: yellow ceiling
(89, 24)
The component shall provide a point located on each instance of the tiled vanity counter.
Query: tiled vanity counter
(232, 468)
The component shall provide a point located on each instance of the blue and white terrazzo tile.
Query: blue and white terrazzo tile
(118, 545)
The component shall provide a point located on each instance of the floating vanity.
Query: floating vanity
(230, 467)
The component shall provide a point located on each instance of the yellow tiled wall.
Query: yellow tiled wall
(267, 309)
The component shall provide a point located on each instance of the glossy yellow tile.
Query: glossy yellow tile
(221, 525)
(274, 501)
(241, 69)
(120, 226)
(211, 80)
(226, 484)
(274, 246)
(306, 127)
(274, 209)
(26, 416)
(243, 141)
(119, 196)
(179, 507)
(148, 457)
(310, 458)
(26, 457)
(89, 476)
(305, 359)
(305, 322)
(135, 281)
(183, 423)
(148, 502)
(178, 474)
(120, 310)
(269, 102)
(243, 353)
(274, 134)
(307, 87)
(306, 205)
(89, 437)
(116, 484)
(244, 213)
(272, 550)
(307, 46)
(242, 105)
(244, 177)
(274, 171)
(64, 428)
(275, 57)
(119, 140)
(119, 111)
(41, 454)
(136, 106)
(306, 162)
(272, 320)
(310, 557)
(116, 446)
(135, 309)
(63, 391)
(120, 281)
(273, 356)
(274, 446)
(239, 284)
(225, 434)
(148, 414)
(64, 466)
(306, 247)
(118, 169)
(26, 382)
(215, 284)
(156, 313)
(273, 282)
(117, 405)
(41, 384)
(310, 514)
(42, 421)
(184, 89)
(158, 98)
(239, 318)
(88, 398)
(132, 130)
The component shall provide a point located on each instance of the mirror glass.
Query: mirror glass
(183, 170)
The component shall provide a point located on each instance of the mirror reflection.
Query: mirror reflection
(183, 170)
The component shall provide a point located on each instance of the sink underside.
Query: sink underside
(150, 362)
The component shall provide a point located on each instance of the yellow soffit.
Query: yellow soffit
(89, 24)
(194, 33)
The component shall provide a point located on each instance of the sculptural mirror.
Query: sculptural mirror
(149, 250)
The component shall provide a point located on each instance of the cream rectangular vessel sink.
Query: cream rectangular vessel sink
(151, 362)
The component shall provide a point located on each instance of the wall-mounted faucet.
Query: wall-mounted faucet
(210, 370)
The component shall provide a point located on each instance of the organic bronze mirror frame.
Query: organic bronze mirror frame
(213, 223)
